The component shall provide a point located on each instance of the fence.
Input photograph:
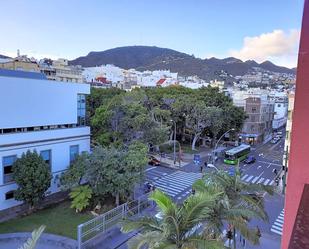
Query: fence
(99, 225)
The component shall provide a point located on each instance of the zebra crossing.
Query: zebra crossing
(178, 184)
(277, 227)
(257, 179)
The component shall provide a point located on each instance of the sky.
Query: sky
(246, 29)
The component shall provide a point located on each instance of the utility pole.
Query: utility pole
(174, 140)
(286, 157)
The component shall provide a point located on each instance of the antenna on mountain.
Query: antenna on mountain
(18, 53)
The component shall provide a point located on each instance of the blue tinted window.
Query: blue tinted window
(74, 150)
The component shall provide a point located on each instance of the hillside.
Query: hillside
(155, 58)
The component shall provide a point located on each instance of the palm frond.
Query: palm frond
(163, 201)
(35, 235)
(146, 223)
(199, 242)
(150, 239)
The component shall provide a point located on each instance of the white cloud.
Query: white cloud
(277, 46)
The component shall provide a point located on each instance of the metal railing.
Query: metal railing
(99, 225)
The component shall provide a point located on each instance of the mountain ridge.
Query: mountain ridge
(155, 58)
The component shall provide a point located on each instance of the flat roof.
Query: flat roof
(22, 74)
(237, 149)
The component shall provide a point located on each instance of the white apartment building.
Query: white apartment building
(281, 110)
(60, 70)
(42, 115)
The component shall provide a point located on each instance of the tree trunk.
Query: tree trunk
(117, 199)
(234, 238)
(196, 137)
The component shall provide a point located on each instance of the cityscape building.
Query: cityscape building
(40, 115)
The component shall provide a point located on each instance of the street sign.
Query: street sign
(232, 171)
(197, 159)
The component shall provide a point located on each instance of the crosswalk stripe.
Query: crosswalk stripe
(244, 177)
(255, 179)
(261, 180)
(175, 182)
(278, 224)
(276, 231)
(272, 182)
(167, 184)
(249, 178)
(267, 180)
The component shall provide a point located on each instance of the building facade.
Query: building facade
(40, 115)
(258, 126)
(21, 63)
(60, 70)
(259, 108)
(280, 112)
(296, 219)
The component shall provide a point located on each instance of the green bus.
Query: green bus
(237, 154)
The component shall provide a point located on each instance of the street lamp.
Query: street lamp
(213, 153)
(174, 140)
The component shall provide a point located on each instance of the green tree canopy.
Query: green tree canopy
(32, 175)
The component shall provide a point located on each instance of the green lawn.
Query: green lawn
(59, 219)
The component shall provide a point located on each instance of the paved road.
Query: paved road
(178, 185)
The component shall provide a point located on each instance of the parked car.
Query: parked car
(250, 159)
(153, 161)
(274, 140)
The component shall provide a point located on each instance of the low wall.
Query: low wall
(46, 241)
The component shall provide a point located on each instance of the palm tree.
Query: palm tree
(238, 204)
(35, 235)
(178, 227)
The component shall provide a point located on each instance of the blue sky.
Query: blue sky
(248, 29)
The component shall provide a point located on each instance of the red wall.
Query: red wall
(298, 173)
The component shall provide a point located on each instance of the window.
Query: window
(7, 163)
(9, 195)
(73, 152)
(46, 155)
(81, 109)
(253, 109)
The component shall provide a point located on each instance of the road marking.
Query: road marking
(269, 165)
(271, 183)
(255, 179)
(277, 226)
(259, 167)
(249, 178)
(265, 183)
(244, 177)
(275, 164)
(262, 179)
(150, 168)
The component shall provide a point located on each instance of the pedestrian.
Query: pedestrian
(243, 242)
(201, 168)
(275, 171)
(193, 191)
(277, 181)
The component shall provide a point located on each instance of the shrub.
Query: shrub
(81, 197)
